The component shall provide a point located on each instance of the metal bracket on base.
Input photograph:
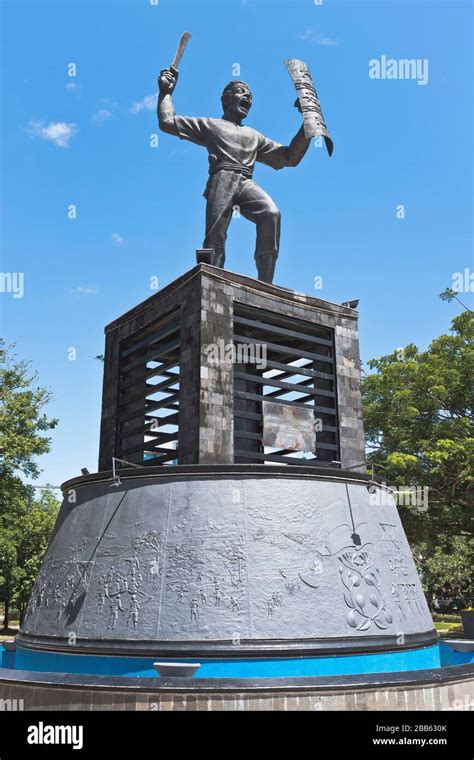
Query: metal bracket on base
(204, 255)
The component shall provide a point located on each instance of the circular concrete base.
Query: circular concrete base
(255, 560)
(450, 688)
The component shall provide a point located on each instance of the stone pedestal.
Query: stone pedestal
(187, 372)
(228, 561)
(238, 524)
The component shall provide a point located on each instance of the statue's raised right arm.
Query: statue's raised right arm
(165, 108)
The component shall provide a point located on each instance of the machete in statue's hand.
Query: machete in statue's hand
(179, 53)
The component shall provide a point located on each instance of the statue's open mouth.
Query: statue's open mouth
(245, 104)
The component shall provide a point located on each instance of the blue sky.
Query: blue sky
(85, 140)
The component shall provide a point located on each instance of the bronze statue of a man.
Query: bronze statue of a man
(233, 150)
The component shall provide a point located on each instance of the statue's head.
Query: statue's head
(236, 100)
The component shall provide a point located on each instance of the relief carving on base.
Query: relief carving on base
(363, 594)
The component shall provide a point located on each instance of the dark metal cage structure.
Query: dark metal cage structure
(292, 364)
(290, 393)
(148, 407)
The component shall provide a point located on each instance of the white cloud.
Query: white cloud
(57, 132)
(117, 238)
(85, 290)
(314, 36)
(147, 103)
(105, 112)
(327, 42)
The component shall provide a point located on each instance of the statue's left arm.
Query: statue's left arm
(279, 156)
(297, 148)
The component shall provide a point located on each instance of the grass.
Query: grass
(445, 617)
(448, 626)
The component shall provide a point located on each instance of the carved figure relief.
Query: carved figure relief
(61, 583)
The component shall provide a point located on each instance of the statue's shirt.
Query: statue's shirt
(229, 142)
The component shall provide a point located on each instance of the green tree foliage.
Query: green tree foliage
(446, 569)
(22, 421)
(35, 528)
(14, 498)
(418, 411)
(25, 522)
